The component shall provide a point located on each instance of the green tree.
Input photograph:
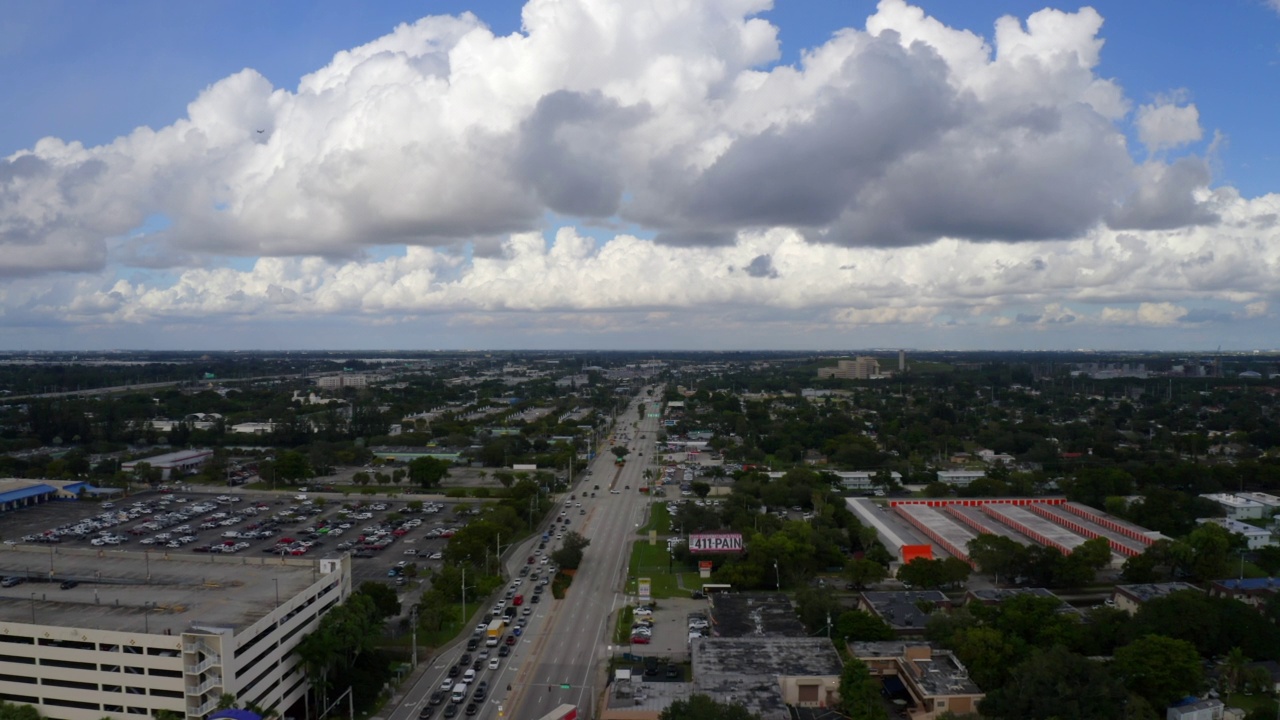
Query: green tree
(16, 711)
(1160, 669)
(427, 472)
(1210, 546)
(997, 555)
(702, 707)
(1268, 559)
(860, 692)
(861, 626)
(1057, 684)
(384, 598)
(1233, 669)
(292, 466)
(701, 489)
(861, 572)
(569, 556)
(988, 654)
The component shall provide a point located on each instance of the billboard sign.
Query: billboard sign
(644, 586)
(716, 543)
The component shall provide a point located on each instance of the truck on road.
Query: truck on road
(494, 632)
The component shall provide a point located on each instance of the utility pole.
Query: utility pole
(412, 624)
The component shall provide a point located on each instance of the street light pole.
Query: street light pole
(413, 625)
(778, 573)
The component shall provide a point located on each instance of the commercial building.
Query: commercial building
(1130, 597)
(147, 632)
(1270, 503)
(174, 464)
(860, 368)
(767, 674)
(18, 493)
(1212, 709)
(1254, 536)
(1251, 591)
(933, 680)
(332, 382)
(960, 478)
(862, 479)
(906, 611)
(1237, 507)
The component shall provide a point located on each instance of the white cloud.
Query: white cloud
(1166, 125)
(905, 175)
(656, 112)
(1158, 314)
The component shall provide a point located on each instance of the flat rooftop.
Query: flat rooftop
(902, 608)
(114, 592)
(1148, 591)
(755, 615)
(940, 675)
(747, 670)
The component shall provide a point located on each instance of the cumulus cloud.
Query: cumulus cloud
(1158, 314)
(905, 174)
(671, 116)
(1166, 125)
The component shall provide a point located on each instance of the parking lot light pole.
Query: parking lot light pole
(413, 626)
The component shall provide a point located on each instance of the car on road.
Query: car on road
(494, 662)
(11, 581)
(68, 584)
(504, 651)
(450, 710)
(472, 708)
(511, 639)
(426, 712)
(438, 697)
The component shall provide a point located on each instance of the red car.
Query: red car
(640, 639)
(511, 639)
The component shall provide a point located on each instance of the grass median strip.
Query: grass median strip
(622, 633)
(654, 562)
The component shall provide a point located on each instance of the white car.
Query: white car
(437, 556)
(493, 663)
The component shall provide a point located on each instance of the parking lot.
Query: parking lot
(384, 536)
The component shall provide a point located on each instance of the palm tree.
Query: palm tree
(1234, 666)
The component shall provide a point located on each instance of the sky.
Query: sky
(639, 174)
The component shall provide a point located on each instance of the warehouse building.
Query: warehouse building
(125, 635)
(173, 465)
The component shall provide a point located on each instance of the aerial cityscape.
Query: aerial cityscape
(652, 360)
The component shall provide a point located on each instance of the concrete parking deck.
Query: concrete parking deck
(115, 594)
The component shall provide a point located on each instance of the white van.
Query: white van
(469, 676)
(459, 693)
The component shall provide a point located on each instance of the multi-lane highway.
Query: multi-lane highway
(559, 658)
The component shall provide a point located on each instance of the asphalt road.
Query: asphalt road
(566, 641)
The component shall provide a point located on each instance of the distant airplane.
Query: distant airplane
(261, 131)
